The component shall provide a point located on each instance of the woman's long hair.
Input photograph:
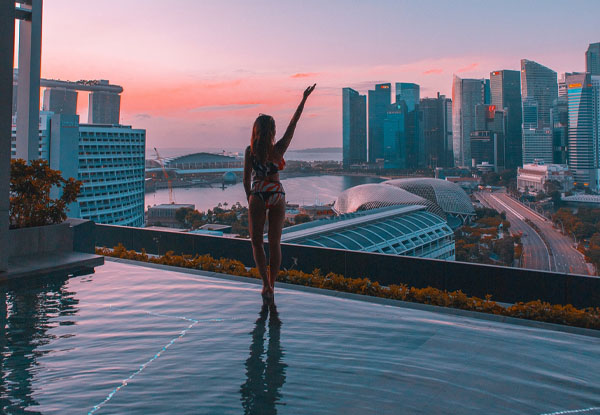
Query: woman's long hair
(263, 137)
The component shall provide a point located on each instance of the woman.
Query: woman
(266, 197)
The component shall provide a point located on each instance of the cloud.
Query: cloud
(227, 107)
(143, 116)
(468, 68)
(304, 75)
(434, 71)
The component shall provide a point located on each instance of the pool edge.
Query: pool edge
(376, 300)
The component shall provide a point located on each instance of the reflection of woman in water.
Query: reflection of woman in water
(261, 391)
(262, 161)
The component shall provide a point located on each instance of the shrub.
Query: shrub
(30, 201)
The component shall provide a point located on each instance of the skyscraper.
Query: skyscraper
(560, 130)
(379, 101)
(60, 101)
(104, 107)
(437, 131)
(15, 90)
(488, 139)
(582, 97)
(539, 93)
(354, 128)
(505, 88)
(592, 59)
(466, 94)
(407, 98)
(394, 133)
(108, 159)
(409, 93)
(540, 84)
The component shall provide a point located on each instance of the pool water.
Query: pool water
(136, 340)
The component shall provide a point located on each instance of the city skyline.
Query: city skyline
(201, 84)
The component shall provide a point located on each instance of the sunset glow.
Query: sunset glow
(198, 73)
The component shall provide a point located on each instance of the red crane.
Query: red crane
(161, 161)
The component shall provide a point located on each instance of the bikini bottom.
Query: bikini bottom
(269, 192)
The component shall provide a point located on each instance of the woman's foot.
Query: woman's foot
(267, 294)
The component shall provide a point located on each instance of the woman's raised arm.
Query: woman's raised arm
(283, 143)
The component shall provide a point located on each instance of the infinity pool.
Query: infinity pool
(136, 340)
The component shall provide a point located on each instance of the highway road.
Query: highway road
(559, 255)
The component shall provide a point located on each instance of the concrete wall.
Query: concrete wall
(503, 283)
(40, 239)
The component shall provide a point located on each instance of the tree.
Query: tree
(584, 230)
(181, 214)
(30, 201)
(301, 218)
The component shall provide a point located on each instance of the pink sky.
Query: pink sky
(196, 74)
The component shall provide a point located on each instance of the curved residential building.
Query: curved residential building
(396, 230)
(108, 159)
(111, 166)
(450, 197)
(377, 195)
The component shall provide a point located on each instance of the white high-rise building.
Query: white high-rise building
(108, 159)
(111, 166)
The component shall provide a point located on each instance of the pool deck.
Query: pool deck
(50, 263)
(140, 338)
(357, 354)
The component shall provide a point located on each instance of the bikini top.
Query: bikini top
(263, 170)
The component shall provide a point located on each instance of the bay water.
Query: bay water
(303, 190)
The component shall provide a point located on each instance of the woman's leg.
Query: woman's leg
(256, 225)
(276, 218)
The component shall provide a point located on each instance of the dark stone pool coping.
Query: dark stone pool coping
(63, 262)
(375, 300)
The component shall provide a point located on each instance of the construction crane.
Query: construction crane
(161, 161)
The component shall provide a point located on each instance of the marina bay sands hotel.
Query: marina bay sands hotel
(60, 97)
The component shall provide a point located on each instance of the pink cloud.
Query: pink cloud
(434, 71)
(304, 75)
(468, 68)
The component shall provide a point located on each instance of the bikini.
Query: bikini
(269, 191)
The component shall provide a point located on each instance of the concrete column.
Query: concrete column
(28, 98)
(7, 43)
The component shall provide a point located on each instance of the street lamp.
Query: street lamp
(574, 237)
(562, 225)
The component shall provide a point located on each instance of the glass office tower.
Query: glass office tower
(539, 93)
(379, 101)
(505, 88)
(540, 84)
(409, 93)
(408, 96)
(592, 59)
(354, 128)
(437, 130)
(395, 137)
(582, 140)
(560, 130)
(466, 94)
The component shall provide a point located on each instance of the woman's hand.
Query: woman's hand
(308, 91)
